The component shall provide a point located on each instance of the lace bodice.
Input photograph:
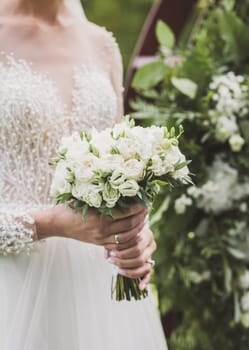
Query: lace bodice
(33, 120)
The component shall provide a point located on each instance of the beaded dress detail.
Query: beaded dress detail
(58, 297)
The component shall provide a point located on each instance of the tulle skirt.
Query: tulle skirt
(59, 298)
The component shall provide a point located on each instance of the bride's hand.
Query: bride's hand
(135, 261)
(64, 222)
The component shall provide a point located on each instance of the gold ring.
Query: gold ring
(151, 262)
(116, 238)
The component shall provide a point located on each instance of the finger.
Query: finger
(145, 281)
(125, 225)
(136, 273)
(132, 210)
(135, 250)
(137, 262)
(116, 247)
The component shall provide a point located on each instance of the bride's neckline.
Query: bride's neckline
(68, 109)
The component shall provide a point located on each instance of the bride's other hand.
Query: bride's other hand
(135, 262)
(62, 221)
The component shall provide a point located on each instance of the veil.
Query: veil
(76, 8)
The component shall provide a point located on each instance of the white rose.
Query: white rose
(76, 148)
(244, 280)
(134, 169)
(236, 142)
(110, 195)
(128, 148)
(225, 128)
(245, 302)
(110, 162)
(88, 193)
(84, 170)
(60, 184)
(129, 188)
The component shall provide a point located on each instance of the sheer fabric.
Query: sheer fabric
(58, 298)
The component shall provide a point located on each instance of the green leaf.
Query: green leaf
(244, 124)
(228, 4)
(84, 212)
(179, 166)
(149, 75)
(185, 86)
(155, 218)
(235, 35)
(165, 35)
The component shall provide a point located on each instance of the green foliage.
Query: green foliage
(201, 254)
(123, 18)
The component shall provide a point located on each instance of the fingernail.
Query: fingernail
(143, 287)
(113, 253)
(121, 272)
(111, 261)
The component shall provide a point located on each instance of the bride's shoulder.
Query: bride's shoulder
(103, 37)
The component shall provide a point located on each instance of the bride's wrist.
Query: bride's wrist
(44, 224)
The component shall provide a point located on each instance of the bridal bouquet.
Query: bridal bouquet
(112, 168)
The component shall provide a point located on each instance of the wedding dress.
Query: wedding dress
(58, 297)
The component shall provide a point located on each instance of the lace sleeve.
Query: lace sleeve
(17, 233)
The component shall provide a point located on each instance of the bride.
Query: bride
(60, 73)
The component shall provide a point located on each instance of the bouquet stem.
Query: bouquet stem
(124, 288)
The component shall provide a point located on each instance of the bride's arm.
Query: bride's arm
(17, 233)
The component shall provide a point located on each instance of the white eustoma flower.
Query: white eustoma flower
(182, 203)
(158, 166)
(225, 128)
(117, 178)
(244, 280)
(110, 195)
(129, 188)
(60, 184)
(236, 142)
(245, 302)
(84, 169)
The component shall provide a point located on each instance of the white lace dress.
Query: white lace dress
(58, 297)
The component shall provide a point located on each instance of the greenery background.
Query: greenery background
(123, 18)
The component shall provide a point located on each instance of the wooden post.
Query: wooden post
(174, 13)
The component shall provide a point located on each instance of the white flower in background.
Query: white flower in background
(217, 194)
(239, 226)
(197, 278)
(230, 94)
(245, 302)
(60, 184)
(245, 319)
(236, 142)
(182, 203)
(225, 128)
(244, 280)
(129, 188)
(243, 207)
